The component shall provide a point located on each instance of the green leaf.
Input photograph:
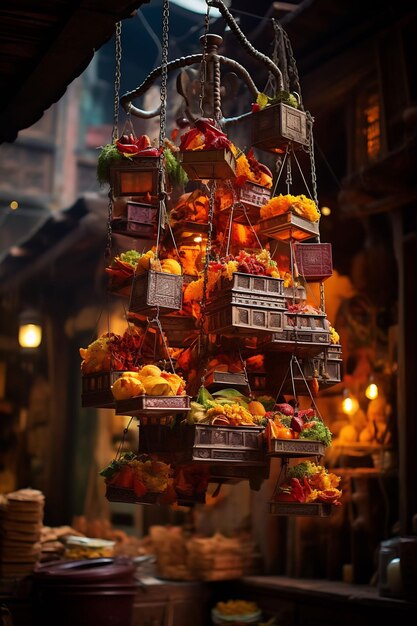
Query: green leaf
(262, 99)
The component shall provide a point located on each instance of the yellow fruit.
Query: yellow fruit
(175, 382)
(131, 375)
(171, 266)
(256, 408)
(127, 387)
(149, 370)
(144, 262)
(156, 386)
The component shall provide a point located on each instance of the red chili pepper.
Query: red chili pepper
(255, 107)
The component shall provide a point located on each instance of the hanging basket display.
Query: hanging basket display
(220, 379)
(139, 221)
(208, 164)
(287, 227)
(306, 489)
(96, 389)
(136, 176)
(246, 305)
(275, 126)
(324, 368)
(314, 261)
(301, 333)
(156, 290)
(152, 405)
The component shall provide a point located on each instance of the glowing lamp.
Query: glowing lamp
(30, 329)
(349, 404)
(371, 392)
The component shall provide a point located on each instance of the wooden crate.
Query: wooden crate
(295, 448)
(136, 176)
(249, 199)
(278, 125)
(220, 380)
(302, 509)
(243, 319)
(302, 333)
(254, 285)
(288, 226)
(326, 367)
(140, 221)
(208, 164)
(96, 389)
(156, 289)
(314, 261)
(219, 446)
(153, 405)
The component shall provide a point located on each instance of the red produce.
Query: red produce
(284, 408)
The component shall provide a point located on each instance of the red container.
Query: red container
(314, 261)
(85, 592)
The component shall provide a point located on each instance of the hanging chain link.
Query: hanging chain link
(288, 179)
(164, 72)
(162, 124)
(115, 130)
(203, 66)
(117, 77)
(292, 71)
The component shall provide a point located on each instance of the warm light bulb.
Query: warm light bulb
(14, 205)
(198, 239)
(350, 405)
(325, 210)
(30, 335)
(371, 391)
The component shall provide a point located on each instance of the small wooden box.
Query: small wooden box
(152, 405)
(96, 389)
(314, 261)
(243, 319)
(311, 509)
(275, 126)
(295, 448)
(288, 226)
(305, 334)
(208, 164)
(220, 380)
(156, 289)
(254, 284)
(137, 176)
(250, 197)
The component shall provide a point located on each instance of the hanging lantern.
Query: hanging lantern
(30, 329)
(303, 333)
(278, 125)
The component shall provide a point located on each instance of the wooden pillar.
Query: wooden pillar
(405, 244)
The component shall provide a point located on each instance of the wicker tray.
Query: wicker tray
(295, 448)
(152, 405)
(288, 226)
(208, 164)
(311, 509)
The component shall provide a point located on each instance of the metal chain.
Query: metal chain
(203, 65)
(115, 130)
(312, 159)
(162, 123)
(292, 67)
(164, 71)
(117, 77)
(288, 179)
(281, 59)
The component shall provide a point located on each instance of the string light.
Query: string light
(349, 404)
(325, 210)
(372, 391)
